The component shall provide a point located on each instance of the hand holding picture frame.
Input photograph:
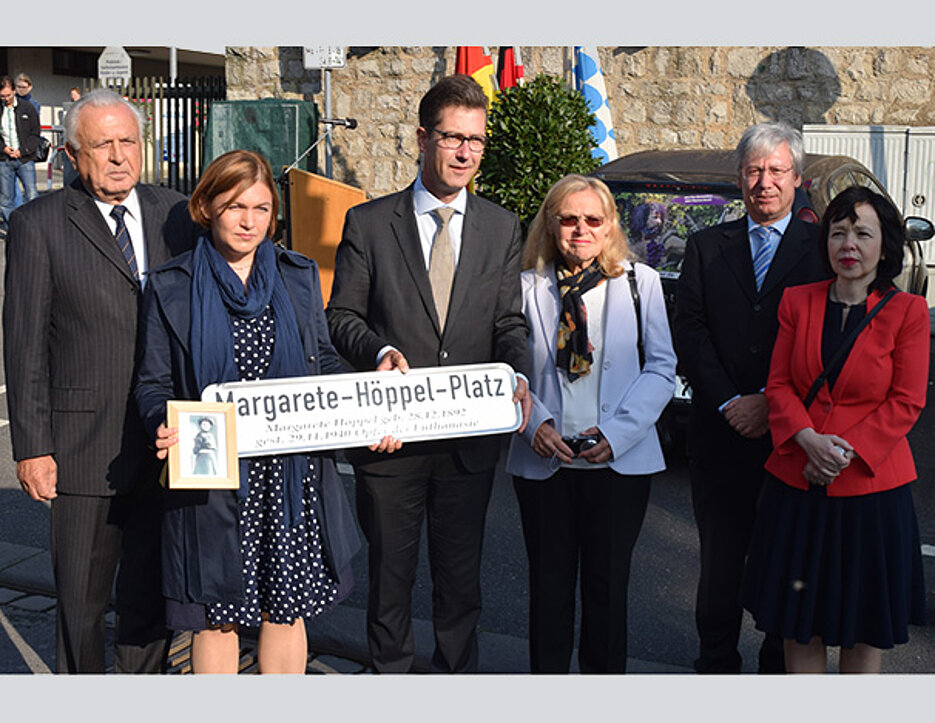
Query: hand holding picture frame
(206, 454)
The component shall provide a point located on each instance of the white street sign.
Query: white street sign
(324, 56)
(353, 410)
(114, 64)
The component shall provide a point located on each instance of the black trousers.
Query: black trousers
(591, 516)
(724, 499)
(391, 510)
(92, 539)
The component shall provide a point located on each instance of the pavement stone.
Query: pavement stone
(31, 574)
(7, 595)
(330, 664)
(36, 603)
(13, 554)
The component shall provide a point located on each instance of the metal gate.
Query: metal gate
(176, 116)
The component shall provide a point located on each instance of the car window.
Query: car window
(658, 223)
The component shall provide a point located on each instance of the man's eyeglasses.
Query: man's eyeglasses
(453, 141)
(753, 173)
(569, 220)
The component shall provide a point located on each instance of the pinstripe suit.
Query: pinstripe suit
(70, 320)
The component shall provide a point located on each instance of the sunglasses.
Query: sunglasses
(569, 221)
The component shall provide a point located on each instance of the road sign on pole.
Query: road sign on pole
(114, 64)
(324, 56)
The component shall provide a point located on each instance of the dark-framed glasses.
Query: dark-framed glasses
(569, 220)
(453, 141)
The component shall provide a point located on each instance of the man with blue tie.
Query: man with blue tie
(732, 279)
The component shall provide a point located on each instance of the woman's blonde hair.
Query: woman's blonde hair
(540, 248)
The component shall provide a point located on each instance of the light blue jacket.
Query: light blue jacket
(630, 401)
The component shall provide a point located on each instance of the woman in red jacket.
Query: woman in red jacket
(835, 558)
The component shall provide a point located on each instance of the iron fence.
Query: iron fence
(176, 115)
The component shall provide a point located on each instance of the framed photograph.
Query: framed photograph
(205, 457)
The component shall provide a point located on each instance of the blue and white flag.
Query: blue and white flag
(589, 79)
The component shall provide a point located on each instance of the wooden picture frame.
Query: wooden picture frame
(205, 457)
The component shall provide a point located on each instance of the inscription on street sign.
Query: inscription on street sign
(279, 416)
(324, 56)
(114, 64)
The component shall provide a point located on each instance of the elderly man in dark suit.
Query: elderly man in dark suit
(732, 279)
(429, 276)
(75, 263)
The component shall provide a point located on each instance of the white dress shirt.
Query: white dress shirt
(133, 218)
(423, 204)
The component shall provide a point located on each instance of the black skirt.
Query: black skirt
(845, 569)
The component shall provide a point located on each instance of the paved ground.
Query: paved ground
(662, 637)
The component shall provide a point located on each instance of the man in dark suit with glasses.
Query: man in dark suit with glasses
(429, 276)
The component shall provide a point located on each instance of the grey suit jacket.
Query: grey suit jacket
(381, 295)
(70, 317)
(630, 398)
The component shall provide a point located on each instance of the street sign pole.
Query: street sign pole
(325, 57)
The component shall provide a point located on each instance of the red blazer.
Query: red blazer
(878, 395)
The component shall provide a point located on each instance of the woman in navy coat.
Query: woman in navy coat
(278, 550)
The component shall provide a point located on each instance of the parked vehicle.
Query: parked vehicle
(665, 196)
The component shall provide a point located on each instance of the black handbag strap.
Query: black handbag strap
(635, 295)
(845, 345)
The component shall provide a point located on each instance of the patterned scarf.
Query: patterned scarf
(574, 349)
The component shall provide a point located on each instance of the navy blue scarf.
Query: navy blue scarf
(217, 294)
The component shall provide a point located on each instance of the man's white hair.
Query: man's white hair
(99, 98)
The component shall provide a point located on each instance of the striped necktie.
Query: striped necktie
(122, 237)
(764, 253)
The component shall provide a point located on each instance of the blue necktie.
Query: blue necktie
(764, 253)
(122, 237)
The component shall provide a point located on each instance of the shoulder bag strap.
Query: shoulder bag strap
(635, 295)
(845, 345)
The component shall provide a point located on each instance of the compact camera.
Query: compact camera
(581, 442)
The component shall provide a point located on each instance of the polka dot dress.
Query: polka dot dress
(284, 572)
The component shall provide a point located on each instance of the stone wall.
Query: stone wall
(661, 97)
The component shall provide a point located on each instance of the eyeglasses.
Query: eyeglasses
(453, 141)
(754, 173)
(572, 220)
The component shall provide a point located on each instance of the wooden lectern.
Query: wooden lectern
(316, 210)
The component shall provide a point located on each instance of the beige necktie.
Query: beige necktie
(442, 264)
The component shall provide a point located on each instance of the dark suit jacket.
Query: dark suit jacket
(70, 319)
(876, 399)
(381, 295)
(725, 329)
(201, 558)
(27, 129)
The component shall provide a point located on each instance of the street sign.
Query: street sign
(114, 64)
(281, 416)
(324, 56)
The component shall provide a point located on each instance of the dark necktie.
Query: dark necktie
(122, 237)
(441, 264)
